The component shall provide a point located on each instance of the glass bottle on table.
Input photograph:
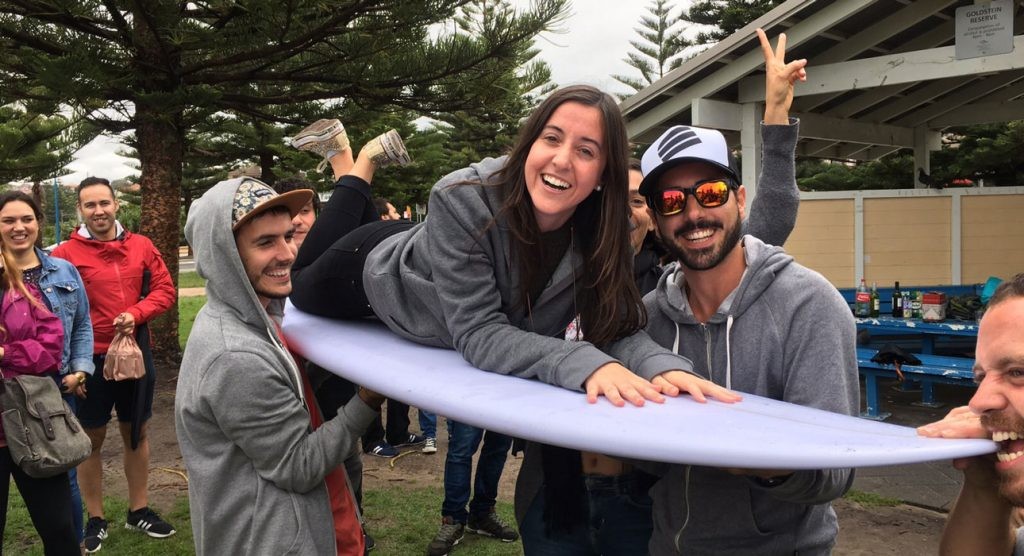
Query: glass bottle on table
(897, 301)
(876, 303)
(862, 301)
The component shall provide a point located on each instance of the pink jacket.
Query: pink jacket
(32, 339)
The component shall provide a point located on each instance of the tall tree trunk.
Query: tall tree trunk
(161, 150)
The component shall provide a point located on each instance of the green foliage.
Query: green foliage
(44, 195)
(660, 49)
(35, 146)
(403, 521)
(463, 137)
(20, 536)
(993, 152)
(718, 19)
(888, 172)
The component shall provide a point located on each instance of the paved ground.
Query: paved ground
(930, 485)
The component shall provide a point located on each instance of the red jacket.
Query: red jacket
(112, 273)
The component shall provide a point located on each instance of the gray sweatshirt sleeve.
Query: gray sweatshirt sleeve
(466, 287)
(774, 210)
(821, 359)
(256, 407)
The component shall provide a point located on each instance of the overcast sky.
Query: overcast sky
(589, 50)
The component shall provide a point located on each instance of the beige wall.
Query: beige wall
(992, 237)
(823, 239)
(907, 239)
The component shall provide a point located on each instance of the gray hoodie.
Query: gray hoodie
(785, 333)
(256, 469)
(450, 282)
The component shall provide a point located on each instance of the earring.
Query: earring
(598, 188)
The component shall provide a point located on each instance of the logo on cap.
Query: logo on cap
(680, 144)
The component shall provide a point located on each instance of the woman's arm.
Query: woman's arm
(81, 331)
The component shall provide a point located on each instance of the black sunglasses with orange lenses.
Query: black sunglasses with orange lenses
(708, 193)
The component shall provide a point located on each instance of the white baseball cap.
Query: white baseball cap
(680, 144)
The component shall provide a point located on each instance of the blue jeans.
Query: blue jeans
(428, 423)
(620, 522)
(463, 441)
(76, 495)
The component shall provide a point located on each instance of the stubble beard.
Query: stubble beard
(710, 257)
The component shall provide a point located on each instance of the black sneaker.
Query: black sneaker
(95, 532)
(383, 450)
(490, 524)
(146, 521)
(411, 440)
(447, 537)
(368, 543)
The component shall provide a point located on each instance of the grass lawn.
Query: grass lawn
(190, 280)
(187, 309)
(404, 521)
(20, 536)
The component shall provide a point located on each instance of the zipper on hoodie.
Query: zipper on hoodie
(686, 474)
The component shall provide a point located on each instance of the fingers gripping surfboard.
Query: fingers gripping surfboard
(756, 432)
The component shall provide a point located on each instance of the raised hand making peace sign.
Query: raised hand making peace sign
(779, 79)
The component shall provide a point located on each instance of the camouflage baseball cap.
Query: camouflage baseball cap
(254, 197)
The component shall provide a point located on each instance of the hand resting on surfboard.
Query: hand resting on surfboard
(620, 385)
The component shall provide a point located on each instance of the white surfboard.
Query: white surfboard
(756, 432)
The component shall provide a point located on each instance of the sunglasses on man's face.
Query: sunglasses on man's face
(709, 194)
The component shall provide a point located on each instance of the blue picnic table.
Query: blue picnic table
(944, 348)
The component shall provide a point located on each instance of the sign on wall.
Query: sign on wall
(984, 29)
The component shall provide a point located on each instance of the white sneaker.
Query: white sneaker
(322, 137)
(387, 149)
(430, 446)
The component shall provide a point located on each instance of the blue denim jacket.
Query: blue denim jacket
(64, 292)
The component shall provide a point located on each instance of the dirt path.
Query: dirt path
(899, 530)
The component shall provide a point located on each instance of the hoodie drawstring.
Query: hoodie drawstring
(728, 353)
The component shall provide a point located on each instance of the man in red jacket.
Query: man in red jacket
(112, 262)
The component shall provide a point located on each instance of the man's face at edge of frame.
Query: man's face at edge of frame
(999, 371)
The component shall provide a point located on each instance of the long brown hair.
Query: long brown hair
(10, 278)
(607, 297)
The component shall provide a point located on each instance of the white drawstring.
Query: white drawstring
(728, 353)
(675, 345)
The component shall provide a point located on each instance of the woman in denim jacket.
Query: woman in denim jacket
(64, 294)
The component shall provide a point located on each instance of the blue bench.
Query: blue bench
(933, 369)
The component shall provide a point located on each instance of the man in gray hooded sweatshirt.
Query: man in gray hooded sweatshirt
(753, 320)
(256, 467)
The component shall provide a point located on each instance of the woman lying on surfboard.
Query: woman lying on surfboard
(513, 249)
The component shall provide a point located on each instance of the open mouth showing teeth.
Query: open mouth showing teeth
(698, 235)
(1011, 445)
(556, 183)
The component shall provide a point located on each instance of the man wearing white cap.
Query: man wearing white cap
(750, 319)
(264, 469)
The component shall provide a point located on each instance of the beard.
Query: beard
(1011, 481)
(708, 257)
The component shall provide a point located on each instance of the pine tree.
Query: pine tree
(34, 146)
(720, 18)
(660, 50)
(159, 68)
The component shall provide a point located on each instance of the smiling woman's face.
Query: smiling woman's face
(18, 227)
